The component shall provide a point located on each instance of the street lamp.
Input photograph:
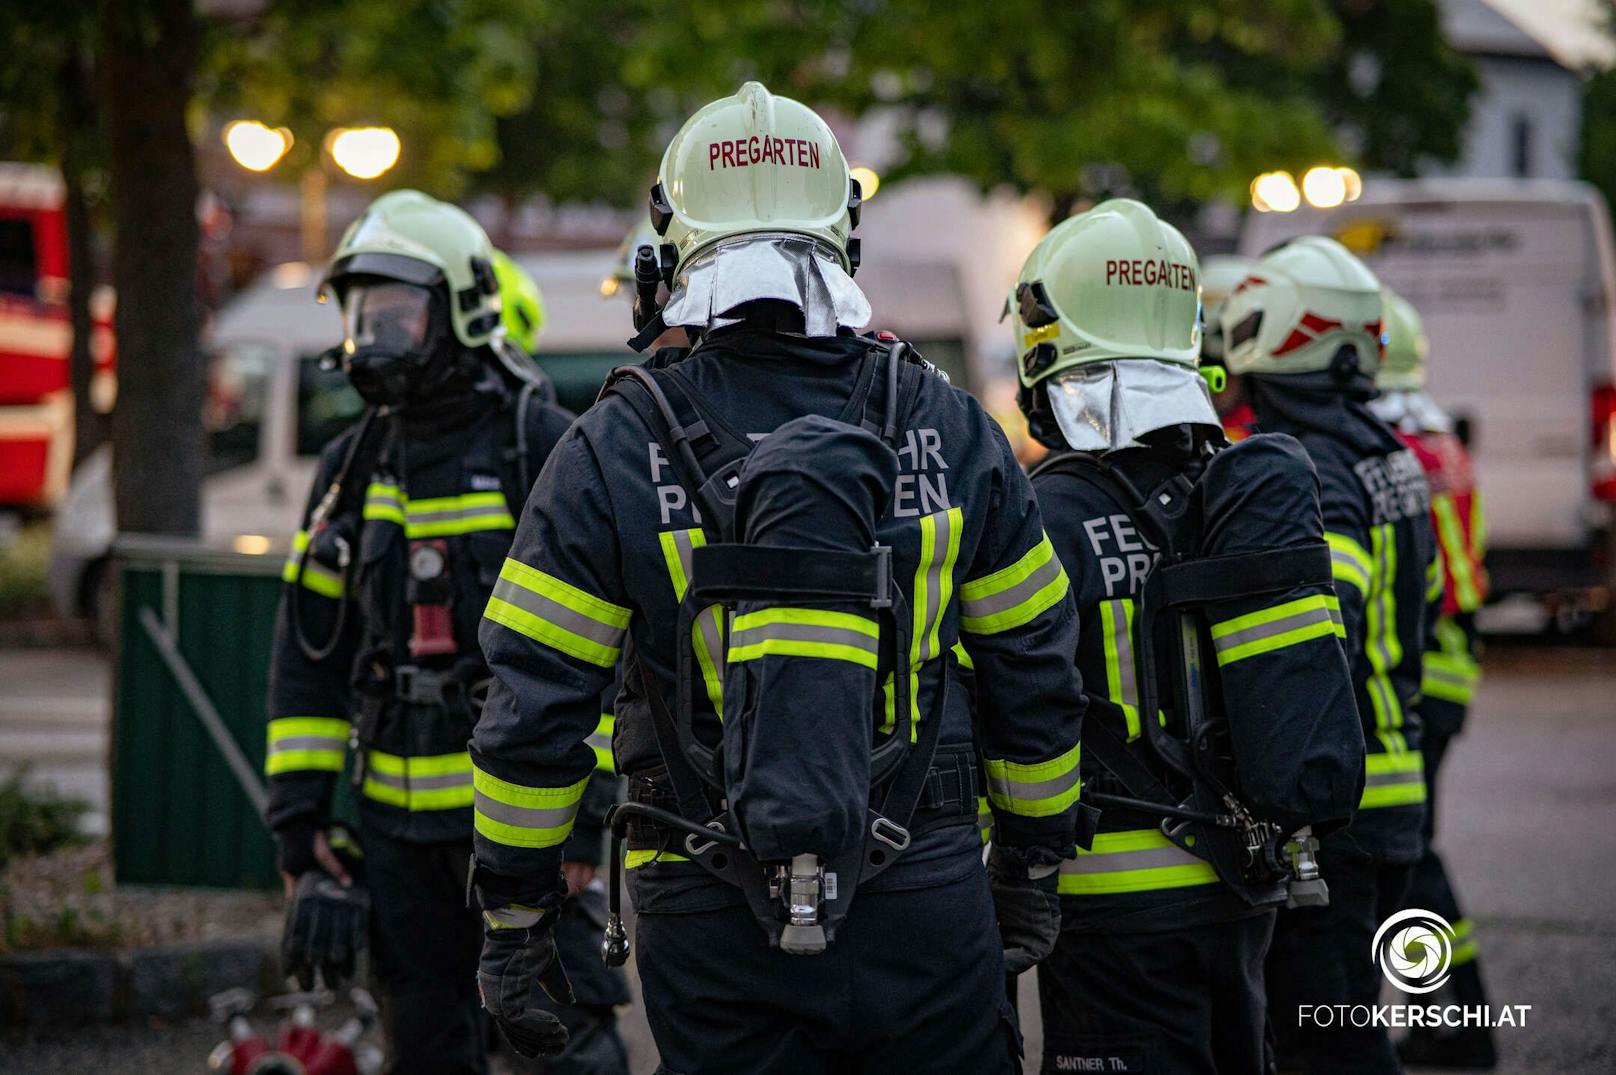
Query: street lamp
(1275, 192)
(254, 146)
(361, 152)
(364, 152)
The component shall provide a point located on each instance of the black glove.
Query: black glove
(326, 924)
(519, 957)
(1026, 897)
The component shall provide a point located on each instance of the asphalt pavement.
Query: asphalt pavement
(1528, 825)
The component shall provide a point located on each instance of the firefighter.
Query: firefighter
(1452, 669)
(375, 646)
(1303, 330)
(1160, 963)
(521, 306)
(750, 962)
(1219, 276)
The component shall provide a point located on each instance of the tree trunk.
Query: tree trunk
(147, 54)
(76, 118)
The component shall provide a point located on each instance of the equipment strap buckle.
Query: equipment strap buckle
(698, 848)
(421, 686)
(890, 833)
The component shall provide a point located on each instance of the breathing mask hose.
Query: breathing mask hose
(323, 510)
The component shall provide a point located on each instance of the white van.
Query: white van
(1516, 280)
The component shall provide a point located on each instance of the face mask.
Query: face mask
(394, 341)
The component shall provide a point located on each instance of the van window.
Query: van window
(238, 394)
(326, 405)
(19, 271)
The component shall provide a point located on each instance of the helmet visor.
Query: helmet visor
(387, 315)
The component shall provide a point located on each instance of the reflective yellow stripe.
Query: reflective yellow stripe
(315, 576)
(1121, 676)
(1393, 779)
(805, 632)
(1015, 595)
(1464, 942)
(1450, 679)
(1349, 562)
(963, 657)
(519, 816)
(439, 516)
(984, 818)
(1136, 860)
(306, 744)
(1277, 627)
(707, 633)
(1381, 645)
(600, 741)
(424, 782)
(1036, 789)
(1451, 535)
(1478, 528)
(558, 614)
(1433, 578)
(645, 856)
(932, 592)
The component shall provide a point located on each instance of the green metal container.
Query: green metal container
(197, 618)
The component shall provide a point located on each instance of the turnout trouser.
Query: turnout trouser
(1323, 956)
(424, 949)
(914, 982)
(1432, 890)
(1186, 1000)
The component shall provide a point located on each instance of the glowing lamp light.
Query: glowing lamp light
(1353, 182)
(1324, 187)
(251, 544)
(254, 146)
(364, 152)
(868, 181)
(1275, 192)
(610, 286)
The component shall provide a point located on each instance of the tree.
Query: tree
(1597, 147)
(147, 53)
(437, 71)
(52, 119)
(1396, 87)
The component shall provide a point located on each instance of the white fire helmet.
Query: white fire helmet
(753, 164)
(1298, 307)
(1219, 275)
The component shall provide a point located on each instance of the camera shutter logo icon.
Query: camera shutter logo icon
(1415, 950)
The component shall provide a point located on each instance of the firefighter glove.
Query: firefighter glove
(519, 959)
(1026, 899)
(326, 924)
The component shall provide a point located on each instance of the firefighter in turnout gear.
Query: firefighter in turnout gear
(1304, 330)
(794, 735)
(1451, 666)
(375, 666)
(1160, 962)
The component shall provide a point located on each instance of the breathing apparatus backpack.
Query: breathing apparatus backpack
(1268, 741)
(801, 798)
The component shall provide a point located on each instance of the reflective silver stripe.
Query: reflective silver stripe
(1116, 861)
(599, 741)
(307, 742)
(1305, 618)
(1407, 776)
(560, 615)
(419, 783)
(934, 585)
(1033, 790)
(1354, 569)
(1004, 600)
(423, 518)
(525, 817)
(804, 632)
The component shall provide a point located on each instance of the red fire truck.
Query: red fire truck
(36, 400)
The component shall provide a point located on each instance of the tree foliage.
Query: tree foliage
(1597, 150)
(437, 71)
(1397, 89)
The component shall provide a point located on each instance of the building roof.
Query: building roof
(1479, 28)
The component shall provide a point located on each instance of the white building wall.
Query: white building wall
(1539, 94)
